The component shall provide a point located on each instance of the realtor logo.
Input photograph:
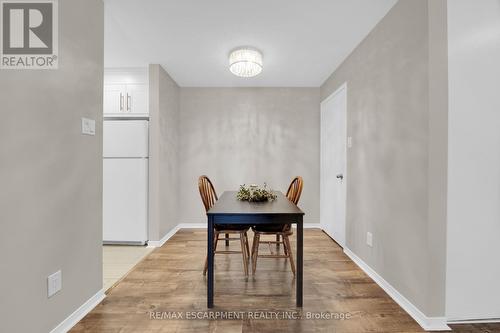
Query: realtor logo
(29, 34)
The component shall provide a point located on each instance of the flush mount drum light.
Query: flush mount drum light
(245, 62)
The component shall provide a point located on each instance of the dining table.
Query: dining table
(229, 210)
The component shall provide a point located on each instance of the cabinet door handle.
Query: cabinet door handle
(121, 102)
(129, 100)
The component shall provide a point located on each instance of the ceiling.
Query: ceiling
(302, 41)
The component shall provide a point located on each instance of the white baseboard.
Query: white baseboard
(427, 323)
(198, 225)
(172, 232)
(309, 226)
(165, 238)
(79, 313)
(203, 221)
(473, 321)
(203, 226)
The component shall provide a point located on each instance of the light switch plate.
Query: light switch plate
(54, 283)
(349, 142)
(369, 239)
(88, 126)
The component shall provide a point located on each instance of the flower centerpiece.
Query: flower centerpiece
(254, 193)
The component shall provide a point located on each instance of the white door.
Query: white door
(137, 99)
(114, 98)
(333, 165)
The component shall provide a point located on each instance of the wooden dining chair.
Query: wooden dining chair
(282, 232)
(209, 197)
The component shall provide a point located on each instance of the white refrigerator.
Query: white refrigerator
(125, 181)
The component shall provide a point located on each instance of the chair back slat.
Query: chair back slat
(295, 190)
(207, 192)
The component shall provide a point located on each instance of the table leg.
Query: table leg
(300, 261)
(210, 256)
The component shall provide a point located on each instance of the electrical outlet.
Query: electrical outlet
(54, 283)
(88, 126)
(369, 239)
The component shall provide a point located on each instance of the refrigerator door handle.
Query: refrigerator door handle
(129, 100)
(121, 102)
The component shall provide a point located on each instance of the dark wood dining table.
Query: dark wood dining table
(229, 210)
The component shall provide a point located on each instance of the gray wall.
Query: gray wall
(395, 145)
(473, 269)
(163, 181)
(248, 135)
(51, 176)
(438, 156)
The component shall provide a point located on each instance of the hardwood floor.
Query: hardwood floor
(168, 284)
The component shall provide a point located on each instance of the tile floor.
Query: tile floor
(118, 260)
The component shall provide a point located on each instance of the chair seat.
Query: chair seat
(273, 228)
(235, 227)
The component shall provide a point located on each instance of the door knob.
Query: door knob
(340, 176)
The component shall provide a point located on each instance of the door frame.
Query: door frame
(341, 88)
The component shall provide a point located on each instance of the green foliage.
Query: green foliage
(253, 193)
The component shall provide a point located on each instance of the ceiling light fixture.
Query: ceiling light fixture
(245, 62)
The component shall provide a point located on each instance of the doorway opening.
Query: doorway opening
(126, 132)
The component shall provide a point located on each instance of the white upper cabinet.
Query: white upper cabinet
(126, 92)
(114, 98)
(137, 98)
